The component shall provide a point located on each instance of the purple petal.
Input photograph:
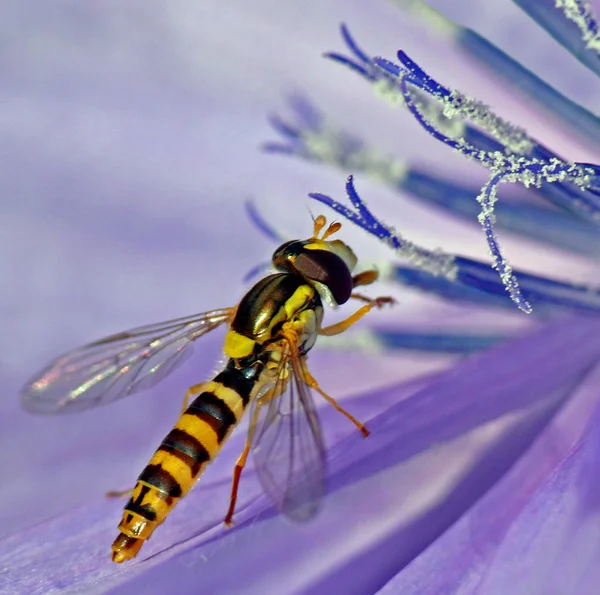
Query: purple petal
(128, 132)
(533, 532)
(433, 454)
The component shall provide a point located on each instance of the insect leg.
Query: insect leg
(119, 493)
(193, 391)
(360, 297)
(311, 381)
(241, 462)
(300, 365)
(237, 472)
(344, 325)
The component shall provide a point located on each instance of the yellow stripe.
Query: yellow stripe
(153, 499)
(299, 299)
(316, 245)
(201, 431)
(180, 470)
(195, 390)
(136, 526)
(237, 345)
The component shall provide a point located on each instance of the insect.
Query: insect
(270, 333)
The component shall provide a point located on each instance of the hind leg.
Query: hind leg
(119, 493)
(192, 391)
(237, 473)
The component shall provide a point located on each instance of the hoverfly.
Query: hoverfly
(271, 331)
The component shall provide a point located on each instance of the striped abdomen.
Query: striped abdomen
(184, 453)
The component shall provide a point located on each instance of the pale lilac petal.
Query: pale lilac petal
(553, 545)
(432, 455)
(533, 532)
(129, 136)
(125, 161)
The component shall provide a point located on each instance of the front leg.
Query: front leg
(344, 325)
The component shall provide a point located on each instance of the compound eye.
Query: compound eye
(326, 268)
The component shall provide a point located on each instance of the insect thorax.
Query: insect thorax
(261, 313)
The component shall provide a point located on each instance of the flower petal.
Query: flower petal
(432, 455)
(533, 532)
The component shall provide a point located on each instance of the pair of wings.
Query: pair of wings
(286, 439)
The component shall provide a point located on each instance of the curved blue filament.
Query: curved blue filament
(517, 214)
(508, 278)
(447, 290)
(500, 264)
(261, 223)
(284, 128)
(509, 154)
(350, 64)
(577, 118)
(479, 144)
(512, 73)
(256, 271)
(557, 227)
(477, 284)
(470, 280)
(535, 288)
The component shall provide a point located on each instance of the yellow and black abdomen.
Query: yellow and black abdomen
(184, 453)
(200, 432)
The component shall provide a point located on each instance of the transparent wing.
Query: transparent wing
(116, 366)
(288, 450)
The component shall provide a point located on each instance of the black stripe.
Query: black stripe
(144, 491)
(144, 511)
(180, 440)
(239, 381)
(189, 461)
(161, 479)
(215, 412)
